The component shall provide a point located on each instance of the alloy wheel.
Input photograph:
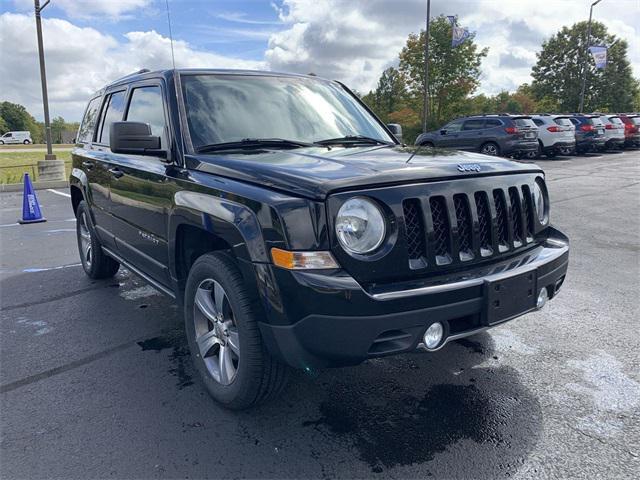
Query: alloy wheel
(85, 241)
(216, 333)
(489, 149)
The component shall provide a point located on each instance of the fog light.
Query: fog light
(433, 335)
(542, 298)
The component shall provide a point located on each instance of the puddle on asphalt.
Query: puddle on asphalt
(181, 366)
(474, 411)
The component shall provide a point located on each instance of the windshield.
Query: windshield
(230, 108)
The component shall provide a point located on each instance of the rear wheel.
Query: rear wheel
(221, 322)
(427, 144)
(26, 142)
(95, 262)
(490, 148)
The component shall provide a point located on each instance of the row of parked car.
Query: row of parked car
(530, 136)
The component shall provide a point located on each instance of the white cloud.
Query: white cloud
(354, 41)
(113, 9)
(82, 60)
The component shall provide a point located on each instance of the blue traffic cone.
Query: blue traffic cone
(30, 207)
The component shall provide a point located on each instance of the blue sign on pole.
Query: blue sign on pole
(599, 54)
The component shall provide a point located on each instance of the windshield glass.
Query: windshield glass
(230, 108)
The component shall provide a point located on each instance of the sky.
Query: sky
(89, 43)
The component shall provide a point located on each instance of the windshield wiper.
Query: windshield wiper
(252, 143)
(348, 139)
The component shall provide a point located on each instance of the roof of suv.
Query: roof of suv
(169, 72)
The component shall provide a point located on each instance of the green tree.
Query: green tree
(389, 94)
(453, 71)
(16, 117)
(557, 73)
(58, 127)
(3, 126)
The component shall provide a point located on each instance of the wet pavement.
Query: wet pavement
(96, 380)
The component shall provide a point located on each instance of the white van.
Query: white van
(16, 137)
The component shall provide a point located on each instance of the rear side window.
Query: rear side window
(474, 124)
(538, 122)
(492, 122)
(563, 121)
(524, 122)
(146, 106)
(85, 133)
(113, 113)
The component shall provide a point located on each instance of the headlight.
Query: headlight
(360, 226)
(540, 203)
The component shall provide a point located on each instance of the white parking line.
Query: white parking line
(59, 193)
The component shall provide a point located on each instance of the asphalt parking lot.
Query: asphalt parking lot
(96, 381)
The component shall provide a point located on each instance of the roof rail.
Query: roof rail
(142, 70)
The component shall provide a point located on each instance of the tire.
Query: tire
(95, 262)
(26, 142)
(427, 144)
(221, 323)
(1, 142)
(490, 148)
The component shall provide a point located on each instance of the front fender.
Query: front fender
(233, 222)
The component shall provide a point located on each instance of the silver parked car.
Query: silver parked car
(613, 131)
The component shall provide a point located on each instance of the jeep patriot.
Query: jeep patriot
(295, 231)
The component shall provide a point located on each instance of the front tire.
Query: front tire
(221, 322)
(490, 148)
(95, 262)
(26, 142)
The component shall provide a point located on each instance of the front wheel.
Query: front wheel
(221, 322)
(490, 148)
(95, 262)
(26, 142)
(1, 142)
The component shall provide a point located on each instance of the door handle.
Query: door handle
(116, 172)
(88, 164)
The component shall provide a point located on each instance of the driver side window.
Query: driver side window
(454, 126)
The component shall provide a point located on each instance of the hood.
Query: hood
(315, 172)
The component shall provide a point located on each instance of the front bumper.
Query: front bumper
(330, 320)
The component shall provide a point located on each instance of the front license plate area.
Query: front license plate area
(510, 297)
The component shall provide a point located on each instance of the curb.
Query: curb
(17, 187)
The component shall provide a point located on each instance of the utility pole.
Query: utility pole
(50, 168)
(585, 57)
(426, 69)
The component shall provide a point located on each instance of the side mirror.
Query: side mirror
(443, 132)
(134, 138)
(396, 129)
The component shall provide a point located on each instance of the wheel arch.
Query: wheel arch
(202, 223)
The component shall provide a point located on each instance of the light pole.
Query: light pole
(585, 56)
(50, 168)
(426, 69)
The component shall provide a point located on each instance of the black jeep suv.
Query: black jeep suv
(295, 231)
(506, 135)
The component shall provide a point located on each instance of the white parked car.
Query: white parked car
(556, 134)
(16, 137)
(613, 131)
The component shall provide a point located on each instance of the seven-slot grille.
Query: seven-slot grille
(466, 227)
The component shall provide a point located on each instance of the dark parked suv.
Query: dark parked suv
(590, 135)
(507, 135)
(295, 231)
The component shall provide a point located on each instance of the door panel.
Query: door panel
(141, 199)
(141, 191)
